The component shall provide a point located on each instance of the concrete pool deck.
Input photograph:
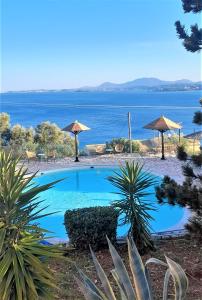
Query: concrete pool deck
(171, 166)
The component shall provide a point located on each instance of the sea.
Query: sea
(104, 112)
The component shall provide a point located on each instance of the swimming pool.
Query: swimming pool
(89, 187)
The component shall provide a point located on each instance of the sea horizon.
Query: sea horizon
(104, 112)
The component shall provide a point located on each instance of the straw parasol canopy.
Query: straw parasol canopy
(76, 128)
(195, 135)
(162, 124)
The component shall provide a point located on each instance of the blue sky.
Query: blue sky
(55, 44)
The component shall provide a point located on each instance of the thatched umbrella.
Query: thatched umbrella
(196, 135)
(163, 124)
(76, 128)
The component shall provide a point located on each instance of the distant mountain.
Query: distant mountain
(147, 84)
(140, 84)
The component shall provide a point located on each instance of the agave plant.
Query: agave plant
(24, 273)
(139, 288)
(133, 183)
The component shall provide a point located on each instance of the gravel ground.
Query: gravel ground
(184, 251)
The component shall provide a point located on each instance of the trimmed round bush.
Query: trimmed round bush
(90, 226)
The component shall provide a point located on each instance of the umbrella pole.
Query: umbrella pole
(76, 148)
(179, 136)
(194, 147)
(162, 145)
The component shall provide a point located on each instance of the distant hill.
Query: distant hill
(148, 84)
(140, 84)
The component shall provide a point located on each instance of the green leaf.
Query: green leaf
(120, 285)
(165, 284)
(138, 270)
(24, 273)
(2, 238)
(179, 278)
(93, 290)
(103, 278)
(121, 272)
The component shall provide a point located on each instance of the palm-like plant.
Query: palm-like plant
(133, 183)
(24, 273)
(139, 288)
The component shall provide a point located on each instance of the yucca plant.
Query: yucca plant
(132, 184)
(139, 288)
(24, 273)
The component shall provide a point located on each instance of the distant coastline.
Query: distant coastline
(137, 85)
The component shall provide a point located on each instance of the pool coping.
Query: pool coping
(177, 227)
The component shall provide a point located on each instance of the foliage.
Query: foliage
(194, 6)
(126, 143)
(197, 119)
(197, 160)
(24, 273)
(137, 289)
(174, 139)
(5, 133)
(47, 137)
(181, 154)
(48, 134)
(64, 150)
(20, 139)
(192, 42)
(187, 194)
(194, 227)
(90, 226)
(132, 184)
(18, 135)
(4, 122)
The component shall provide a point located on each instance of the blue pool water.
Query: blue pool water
(89, 187)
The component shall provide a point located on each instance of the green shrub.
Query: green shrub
(126, 144)
(46, 137)
(181, 154)
(64, 150)
(89, 226)
(135, 146)
(197, 160)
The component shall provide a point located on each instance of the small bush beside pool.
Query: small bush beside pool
(89, 226)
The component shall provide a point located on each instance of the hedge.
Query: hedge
(90, 226)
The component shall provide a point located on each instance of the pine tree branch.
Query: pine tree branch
(181, 31)
(194, 6)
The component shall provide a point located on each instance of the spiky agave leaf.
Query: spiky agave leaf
(122, 273)
(179, 278)
(165, 285)
(178, 275)
(141, 289)
(103, 278)
(120, 285)
(91, 288)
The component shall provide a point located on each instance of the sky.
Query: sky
(58, 44)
